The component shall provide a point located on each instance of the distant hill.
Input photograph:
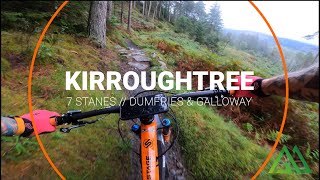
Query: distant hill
(288, 43)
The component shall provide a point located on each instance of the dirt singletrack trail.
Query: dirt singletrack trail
(135, 59)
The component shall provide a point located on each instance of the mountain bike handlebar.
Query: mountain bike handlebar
(71, 116)
(75, 115)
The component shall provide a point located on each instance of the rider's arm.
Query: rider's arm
(16, 126)
(23, 126)
(9, 126)
(303, 84)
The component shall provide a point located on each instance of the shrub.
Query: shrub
(211, 40)
(312, 154)
(44, 53)
(248, 127)
(198, 32)
(167, 47)
(113, 21)
(183, 24)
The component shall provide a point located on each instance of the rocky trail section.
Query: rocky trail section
(135, 59)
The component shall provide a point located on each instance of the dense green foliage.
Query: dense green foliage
(202, 27)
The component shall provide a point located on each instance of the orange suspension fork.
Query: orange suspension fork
(149, 151)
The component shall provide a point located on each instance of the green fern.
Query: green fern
(20, 149)
(308, 151)
(248, 127)
(315, 154)
(257, 136)
(272, 136)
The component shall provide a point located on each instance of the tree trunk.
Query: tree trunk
(121, 12)
(143, 7)
(160, 9)
(150, 4)
(169, 11)
(129, 16)
(109, 9)
(227, 42)
(97, 22)
(134, 4)
(155, 10)
(174, 12)
(114, 8)
(165, 9)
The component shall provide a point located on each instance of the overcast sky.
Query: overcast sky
(289, 19)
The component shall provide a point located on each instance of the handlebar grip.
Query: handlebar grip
(53, 121)
(58, 120)
(232, 92)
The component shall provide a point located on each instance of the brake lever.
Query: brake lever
(68, 129)
(78, 124)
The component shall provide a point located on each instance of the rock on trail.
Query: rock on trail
(136, 60)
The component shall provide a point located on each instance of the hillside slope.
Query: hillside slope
(285, 42)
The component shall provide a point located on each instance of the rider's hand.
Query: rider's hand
(245, 93)
(42, 121)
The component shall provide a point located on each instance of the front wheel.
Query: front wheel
(162, 161)
(163, 168)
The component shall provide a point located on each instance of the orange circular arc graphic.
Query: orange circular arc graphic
(30, 96)
(287, 93)
(29, 89)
